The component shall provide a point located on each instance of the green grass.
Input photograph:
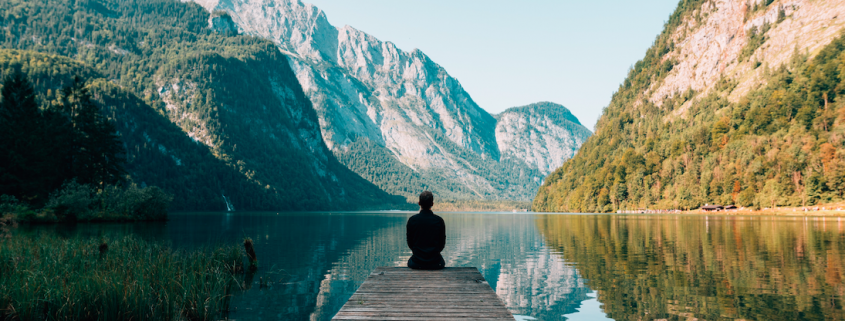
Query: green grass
(46, 277)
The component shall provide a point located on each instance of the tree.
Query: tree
(812, 190)
(836, 177)
(24, 159)
(737, 188)
(97, 151)
(603, 200)
(770, 193)
(720, 128)
(746, 197)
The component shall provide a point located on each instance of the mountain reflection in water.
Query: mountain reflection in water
(706, 268)
(318, 260)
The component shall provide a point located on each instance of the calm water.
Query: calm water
(543, 266)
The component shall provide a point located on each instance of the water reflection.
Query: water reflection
(706, 268)
(318, 260)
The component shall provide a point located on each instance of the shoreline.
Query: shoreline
(831, 209)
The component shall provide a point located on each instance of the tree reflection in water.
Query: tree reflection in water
(710, 268)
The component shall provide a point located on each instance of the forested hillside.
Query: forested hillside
(735, 103)
(201, 113)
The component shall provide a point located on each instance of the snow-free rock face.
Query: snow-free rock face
(398, 101)
(709, 44)
(544, 135)
(222, 23)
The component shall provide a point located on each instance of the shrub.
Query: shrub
(79, 202)
(73, 202)
(135, 203)
(9, 205)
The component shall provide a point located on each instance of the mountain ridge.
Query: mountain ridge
(401, 103)
(541, 134)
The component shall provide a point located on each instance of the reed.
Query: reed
(48, 278)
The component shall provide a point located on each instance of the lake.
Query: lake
(543, 266)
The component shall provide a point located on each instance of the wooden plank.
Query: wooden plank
(424, 312)
(424, 298)
(445, 308)
(447, 302)
(416, 318)
(484, 298)
(431, 314)
(406, 284)
(404, 294)
(441, 303)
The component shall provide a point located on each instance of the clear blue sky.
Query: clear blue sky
(513, 53)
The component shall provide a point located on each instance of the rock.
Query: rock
(220, 22)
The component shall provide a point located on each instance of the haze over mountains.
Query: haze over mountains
(376, 101)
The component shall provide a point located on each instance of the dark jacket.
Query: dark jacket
(426, 233)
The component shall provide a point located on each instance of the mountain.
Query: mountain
(396, 118)
(203, 112)
(543, 135)
(737, 102)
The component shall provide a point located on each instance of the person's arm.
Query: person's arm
(409, 234)
(442, 236)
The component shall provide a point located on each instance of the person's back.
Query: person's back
(426, 235)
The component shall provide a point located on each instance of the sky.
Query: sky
(513, 53)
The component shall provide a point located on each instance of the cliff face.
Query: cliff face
(735, 103)
(373, 99)
(725, 39)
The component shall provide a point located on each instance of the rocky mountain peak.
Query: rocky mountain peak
(544, 135)
(370, 94)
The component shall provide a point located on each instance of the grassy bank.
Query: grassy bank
(49, 278)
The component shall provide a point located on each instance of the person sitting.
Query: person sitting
(426, 234)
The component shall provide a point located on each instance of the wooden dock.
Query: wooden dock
(393, 293)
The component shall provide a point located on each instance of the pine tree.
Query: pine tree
(23, 159)
(97, 152)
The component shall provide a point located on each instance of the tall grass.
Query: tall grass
(49, 278)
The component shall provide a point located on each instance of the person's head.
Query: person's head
(426, 200)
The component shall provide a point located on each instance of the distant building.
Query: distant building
(712, 208)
